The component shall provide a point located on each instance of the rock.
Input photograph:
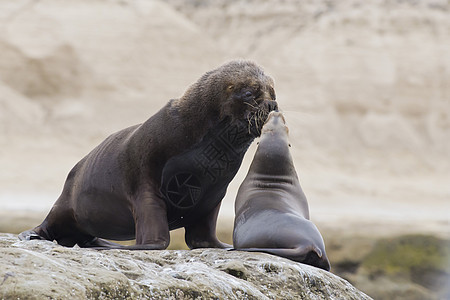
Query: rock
(408, 267)
(393, 288)
(38, 269)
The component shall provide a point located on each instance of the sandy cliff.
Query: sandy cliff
(364, 85)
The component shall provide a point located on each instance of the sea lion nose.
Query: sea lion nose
(272, 105)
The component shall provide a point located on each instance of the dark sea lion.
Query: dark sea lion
(272, 212)
(171, 171)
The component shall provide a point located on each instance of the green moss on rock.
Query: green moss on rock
(421, 258)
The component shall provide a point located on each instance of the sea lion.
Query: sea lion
(171, 171)
(272, 212)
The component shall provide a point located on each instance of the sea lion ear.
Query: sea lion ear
(230, 88)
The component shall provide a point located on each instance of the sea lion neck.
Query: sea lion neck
(200, 118)
(272, 155)
(207, 166)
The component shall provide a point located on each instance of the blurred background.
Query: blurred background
(364, 85)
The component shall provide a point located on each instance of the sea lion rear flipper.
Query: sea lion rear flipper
(302, 254)
(99, 243)
(29, 235)
(291, 253)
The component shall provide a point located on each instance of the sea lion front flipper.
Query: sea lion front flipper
(150, 217)
(101, 244)
(202, 234)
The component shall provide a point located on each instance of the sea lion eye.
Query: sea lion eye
(248, 94)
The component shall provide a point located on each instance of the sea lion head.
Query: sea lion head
(273, 155)
(275, 123)
(275, 129)
(250, 93)
(240, 91)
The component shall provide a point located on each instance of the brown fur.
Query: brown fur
(122, 188)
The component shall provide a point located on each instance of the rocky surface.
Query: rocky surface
(42, 269)
(405, 267)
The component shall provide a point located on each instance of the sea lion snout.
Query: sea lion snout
(257, 115)
(276, 116)
(272, 105)
(275, 122)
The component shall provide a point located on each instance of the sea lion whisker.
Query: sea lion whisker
(256, 122)
(249, 122)
(251, 105)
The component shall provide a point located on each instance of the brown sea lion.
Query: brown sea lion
(272, 212)
(171, 171)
